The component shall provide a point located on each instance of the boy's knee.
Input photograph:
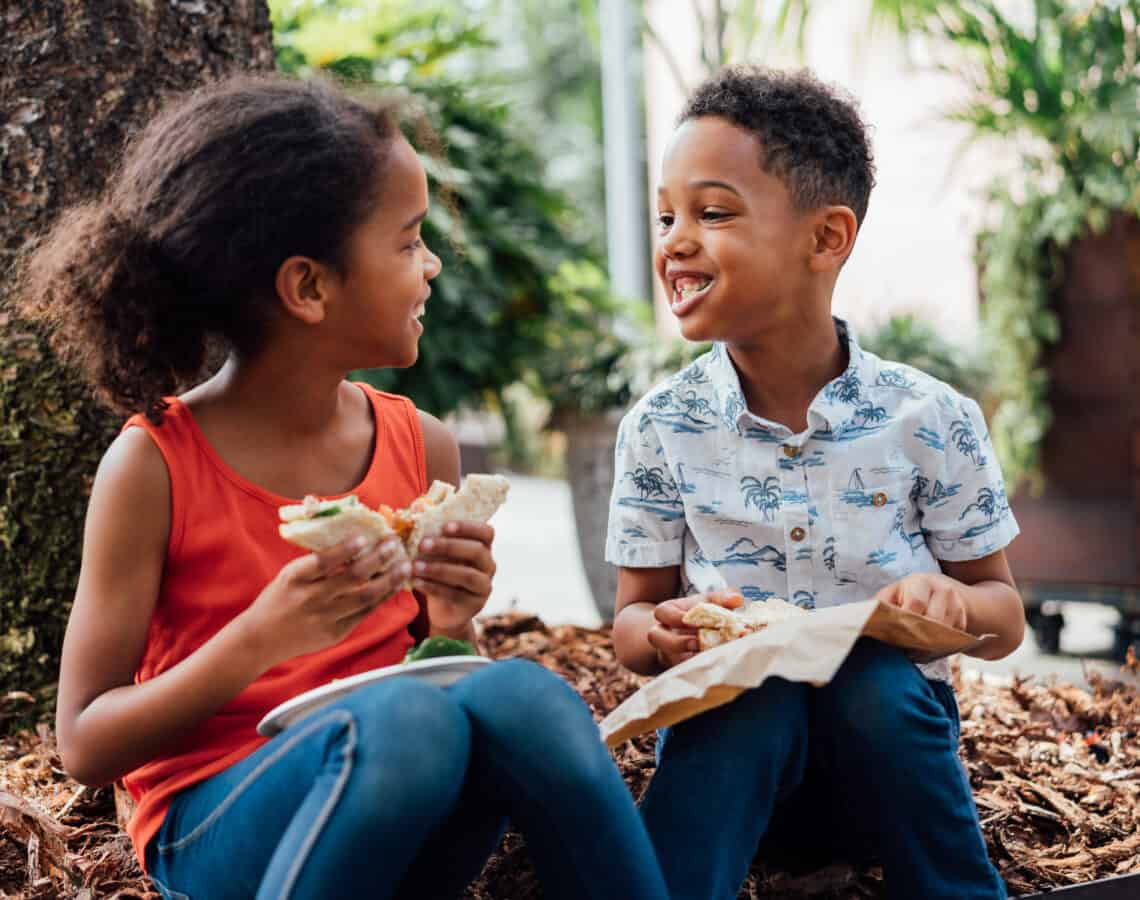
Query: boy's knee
(877, 701)
(772, 716)
(778, 704)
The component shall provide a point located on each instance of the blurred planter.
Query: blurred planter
(1084, 528)
(590, 442)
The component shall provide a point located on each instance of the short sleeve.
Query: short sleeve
(647, 520)
(965, 512)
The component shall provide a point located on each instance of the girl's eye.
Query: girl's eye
(664, 220)
(714, 214)
(415, 245)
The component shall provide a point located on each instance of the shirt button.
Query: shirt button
(798, 534)
(790, 451)
(879, 498)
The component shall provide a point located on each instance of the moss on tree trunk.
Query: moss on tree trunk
(77, 77)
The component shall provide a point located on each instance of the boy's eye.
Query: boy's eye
(714, 214)
(416, 244)
(664, 220)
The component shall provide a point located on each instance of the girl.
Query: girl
(282, 218)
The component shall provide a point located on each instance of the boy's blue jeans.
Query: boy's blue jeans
(866, 765)
(403, 789)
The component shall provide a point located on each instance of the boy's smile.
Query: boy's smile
(732, 248)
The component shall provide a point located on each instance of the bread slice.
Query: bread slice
(476, 501)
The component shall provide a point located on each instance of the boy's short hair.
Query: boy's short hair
(811, 134)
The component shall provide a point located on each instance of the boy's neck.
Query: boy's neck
(782, 372)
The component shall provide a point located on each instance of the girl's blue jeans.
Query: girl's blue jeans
(864, 767)
(403, 789)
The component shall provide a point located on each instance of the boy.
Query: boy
(789, 462)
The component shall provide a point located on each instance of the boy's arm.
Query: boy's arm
(638, 594)
(993, 603)
(967, 532)
(977, 595)
(650, 634)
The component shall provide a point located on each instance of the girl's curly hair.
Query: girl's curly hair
(183, 246)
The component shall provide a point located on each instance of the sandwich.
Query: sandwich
(476, 501)
(319, 524)
(717, 625)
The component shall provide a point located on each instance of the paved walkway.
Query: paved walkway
(540, 572)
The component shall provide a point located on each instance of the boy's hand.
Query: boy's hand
(454, 571)
(675, 641)
(930, 594)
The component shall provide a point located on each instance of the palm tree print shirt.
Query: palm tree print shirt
(894, 473)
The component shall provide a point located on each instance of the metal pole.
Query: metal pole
(626, 225)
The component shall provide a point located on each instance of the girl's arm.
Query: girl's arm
(106, 724)
(454, 571)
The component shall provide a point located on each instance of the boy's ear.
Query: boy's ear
(303, 287)
(834, 234)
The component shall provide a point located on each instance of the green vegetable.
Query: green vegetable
(325, 513)
(440, 646)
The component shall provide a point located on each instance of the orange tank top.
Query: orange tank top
(223, 549)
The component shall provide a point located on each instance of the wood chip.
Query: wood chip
(1055, 771)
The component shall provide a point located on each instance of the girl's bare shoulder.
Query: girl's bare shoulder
(131, 491)
(441, 449)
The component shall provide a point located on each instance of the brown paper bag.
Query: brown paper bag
(807, 648)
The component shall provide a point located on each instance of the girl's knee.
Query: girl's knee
(520, 694)
(411, 726)
(521, 704)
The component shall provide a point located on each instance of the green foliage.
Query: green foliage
(499, 230)
(601, 350)
(907, 339)
(43, 412)
(1063, 87)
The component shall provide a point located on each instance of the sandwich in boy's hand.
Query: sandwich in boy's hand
(320, 524)
(717, 625)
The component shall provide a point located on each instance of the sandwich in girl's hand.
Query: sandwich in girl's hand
(320, 524)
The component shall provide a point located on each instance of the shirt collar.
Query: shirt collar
(831, 407)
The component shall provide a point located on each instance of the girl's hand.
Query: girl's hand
(454, 571)
(316, 600)
(675, 641)
(930, 594)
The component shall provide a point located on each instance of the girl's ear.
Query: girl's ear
(834, 232)
(303, 287)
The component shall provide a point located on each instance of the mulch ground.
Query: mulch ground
(1055, 771)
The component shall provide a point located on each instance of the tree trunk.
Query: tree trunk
(590, 441)
(1085, 528)
(76, 77)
